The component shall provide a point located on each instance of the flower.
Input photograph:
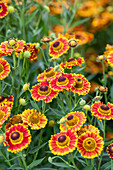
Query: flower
(3, 10)
(4, 69)
(59, 46)
(65, 81)
(18, 137)
(86, 128)
(16, 119)
(110, 150)
(74, 121)
(73, 43)
(82, 85)
(43, 91)
(46, 39)
(90, 145)
(110, 58)
(48, 74)
(34, 119)
(31, 47)
(72, 62)
(102, 111)
(4, 114)
(63, 143)
(7, 47)
(7, 101)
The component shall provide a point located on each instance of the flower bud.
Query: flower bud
(102, 89)
(2, 138)
(26, 86)
(27, 54)
(100, 58)
(62, 121)
(22, 101)
(46, 39)
(53, 59)
(73, 43)
(12, 42)
(50, 160)
(37, 46)
(87, 107)
(97, 98)
(46, 8)
(82, 102)
(77, 55)
(51, 123)
(10, 9)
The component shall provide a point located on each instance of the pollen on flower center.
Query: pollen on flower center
(43, 88)
(2, 113)
(49, 73)
(104, 107)
(1, 68)
(79, 83)
(70, 117)
(34, 118)
(111, 149)
(12, 43)
(15, 135)
(62, 138)
(70, 59)
(56, 44)
(61, 78)
(89, 144)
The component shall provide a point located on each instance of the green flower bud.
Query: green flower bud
(27, 54)
(82, 102)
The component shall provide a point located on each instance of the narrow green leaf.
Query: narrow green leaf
(15, 166)
(106, 166)
(34, 105)
(59, 164)
(35, 163)
(79, 22)
(88, 167)
(35, 149)
(30, 18)
(100, 124)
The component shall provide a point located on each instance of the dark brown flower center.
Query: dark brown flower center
(15, 135)
(2, 98)
(56, 44)
(70, 117)
(16, 119)
(78, 36)
(70, 59)
(61, 78)
(62, 138)
(43, 88)
(48, 69)
(104, 107)
(79, 83)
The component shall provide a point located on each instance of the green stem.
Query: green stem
(62, 104)
(24, 162)
(87, 162)
(72, 52)
(0, 87)
(19, 83)
(37, 106)
(23, 21)
(104, 75)
(103, 149)
(44, 57)
(111, 164)
(68, 101)
(73, 162)
(92, 162)
(38, 144)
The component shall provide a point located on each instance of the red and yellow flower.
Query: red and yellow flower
(82, 85)
(48, 74)
(3, 10)
(110, 150)
(63, 143)
(59, 46)
(34, 119)
(4, 69)
(86, 128)
(72, 62)
(102, 111)
(65, 81)
(6, 101)
(83, 37)
(4, 114)
(74, 121)
(7, 47)
(43, 91)
(31, 47)
(90, 145)
(18, 137)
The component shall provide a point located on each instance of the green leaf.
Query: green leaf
(59, 164)
(30, 18)
(80, 160)
(35, 149)
(79, 22)
(88, 167)
(15, 166)
(106, 166)
(54, 20)
(34, 105)
(100, 124)
(16, 6)
(35, 163)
